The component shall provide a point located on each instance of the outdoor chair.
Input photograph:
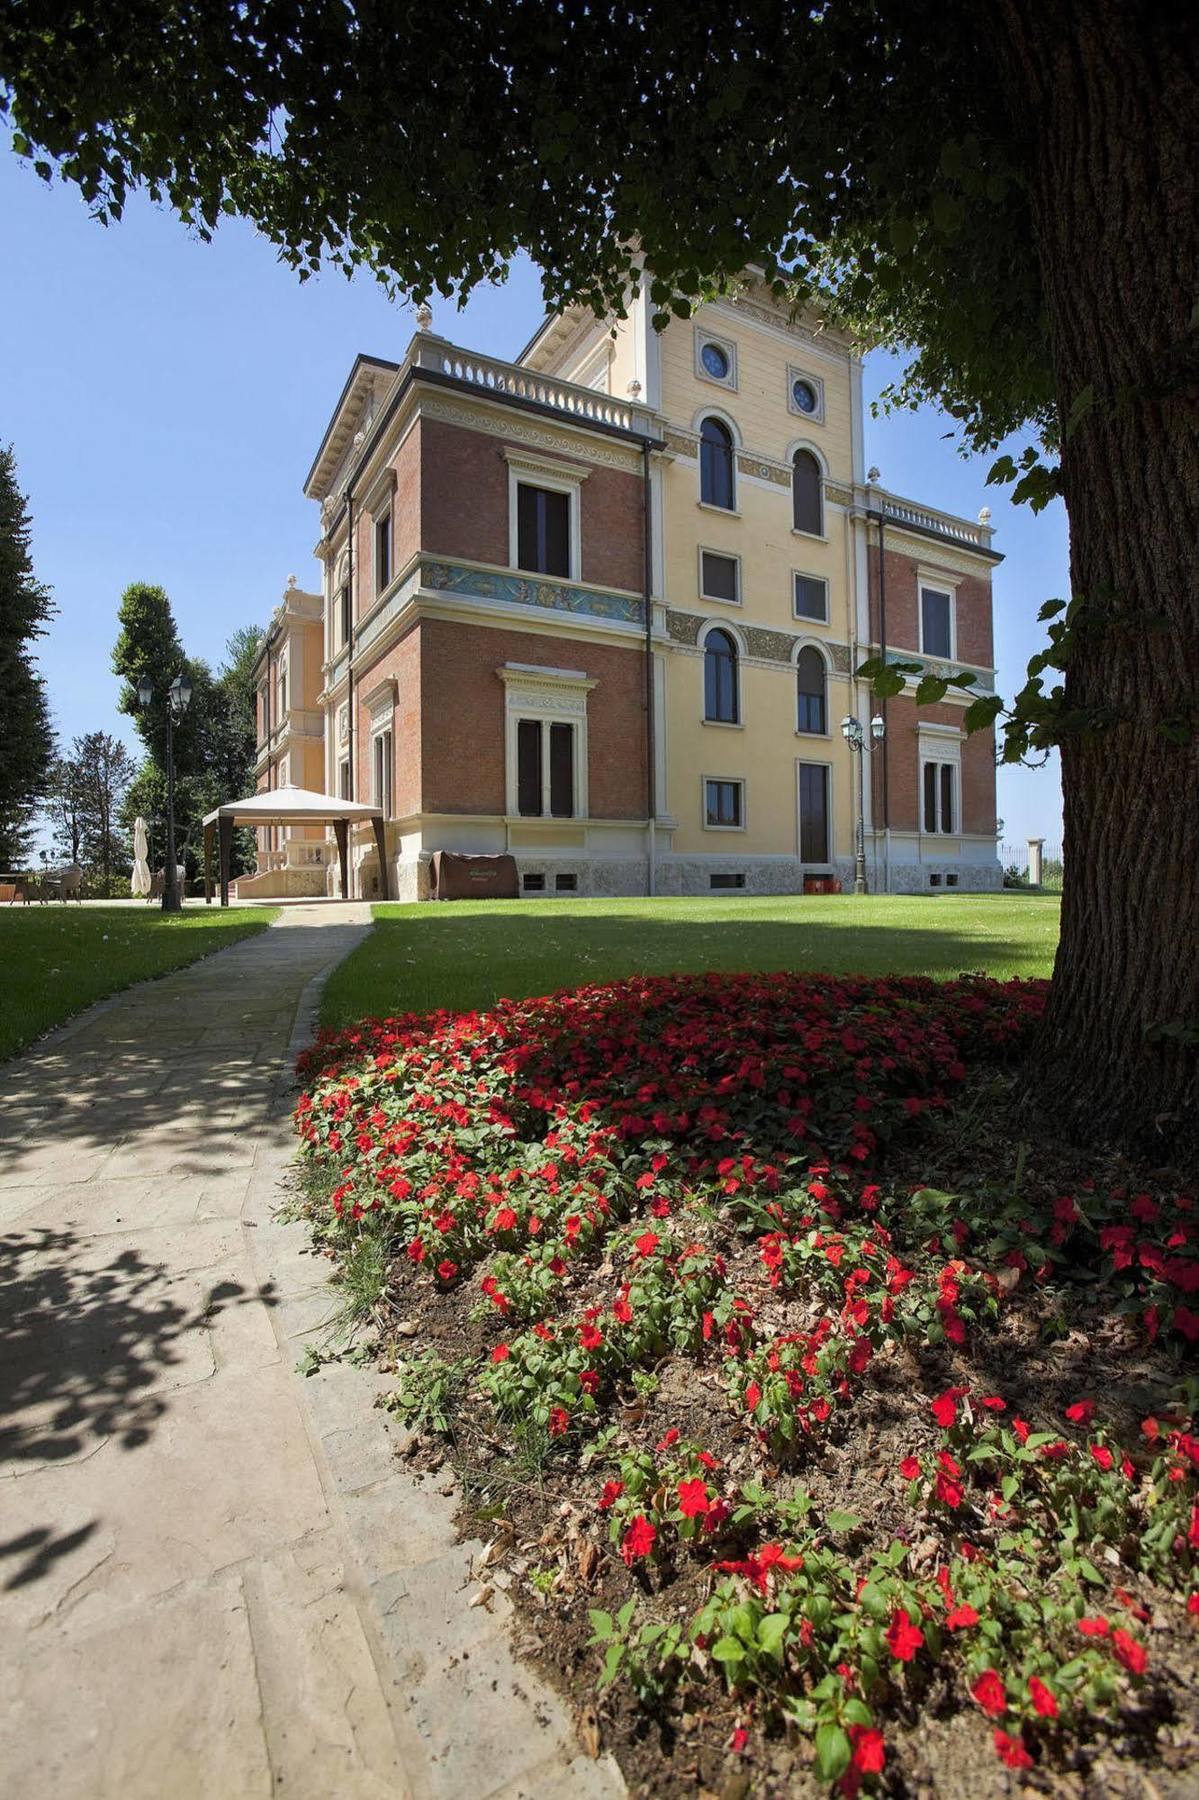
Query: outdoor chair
(71, 883)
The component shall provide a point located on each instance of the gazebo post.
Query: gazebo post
(341, 832)
(381, 846)
(225, 834)
(208, 865)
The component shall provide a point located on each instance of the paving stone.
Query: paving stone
(164, 1705)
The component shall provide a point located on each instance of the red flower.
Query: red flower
(753, 1394)
(948, 1491)
(960, 1617)
(670, 1437)
(693, 1498)
(559, 1420)
(1012, 1750)
(1134, 1656)
(1193, 1602)
(647, 1243)
(739, 1739)
(1021, 1427)
(447, 1270)
(1081, 1413)
(590, 1338)
(903, 1638)
(990, 1694)
(869, 1750)
(909, 1468)
(945, 1408)
(1042, 1697)
(1097, 1627)
(611, 1494)
(1102, 1455)
(501, 1353)
(993, 1403)
(638, 1541)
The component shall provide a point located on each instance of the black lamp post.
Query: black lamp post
(178, 700)
(855, 737)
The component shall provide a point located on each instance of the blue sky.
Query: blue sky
(165, 397)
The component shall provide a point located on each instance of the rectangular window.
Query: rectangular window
(382, 552)
(343, 778)
(282, 696)
(723, 804)
(813, 813)
(533, 884)
(566, 884)
(528, 768)
(562, 771)
(719, 577)
(343, 606)
(542, 531)
(936, 622)
(381, 771)
(726, 880)
(811, 598)
(940, 797)
(545, 769)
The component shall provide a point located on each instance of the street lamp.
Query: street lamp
(178, 700)
(855, 737)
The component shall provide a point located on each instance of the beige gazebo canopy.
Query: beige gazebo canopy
(291, 806)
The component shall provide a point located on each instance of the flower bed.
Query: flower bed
(814, 1456)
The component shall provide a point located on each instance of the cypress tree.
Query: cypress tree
(27, 751)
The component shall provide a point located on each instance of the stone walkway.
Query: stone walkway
(215, 1578)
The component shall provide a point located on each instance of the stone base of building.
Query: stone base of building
(948, 876)
(563, 877)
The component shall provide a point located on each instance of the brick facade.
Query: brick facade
(973, 609)
(464, 505)
(900, 755)
(462, 733)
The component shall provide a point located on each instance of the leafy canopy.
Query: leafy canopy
(859, 146)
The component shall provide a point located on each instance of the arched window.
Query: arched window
(807, 496)
(716, 464)
(811, 684)
(720, 678)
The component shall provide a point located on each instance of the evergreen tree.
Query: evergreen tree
(25, 608)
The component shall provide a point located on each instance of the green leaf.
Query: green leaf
(856, 1712)
(1051, 609)
(930, 690)
(841, 1521)
(601, 1624)
(772, 1629)
(832, 1751)
(612, 1664)
(728, 1650)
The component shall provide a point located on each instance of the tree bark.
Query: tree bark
(1106, 96)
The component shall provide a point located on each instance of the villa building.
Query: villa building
(601, 608)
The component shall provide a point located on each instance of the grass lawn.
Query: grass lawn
(468, 953)
(59, 959)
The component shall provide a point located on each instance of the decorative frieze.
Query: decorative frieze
(524, 590)
(761, 643)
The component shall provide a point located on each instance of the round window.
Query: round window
(805, 396)
(715, 361)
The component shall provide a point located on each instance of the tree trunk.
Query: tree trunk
(1107, 97)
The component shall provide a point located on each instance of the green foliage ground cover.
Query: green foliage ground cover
(470, 953)
(59, 959)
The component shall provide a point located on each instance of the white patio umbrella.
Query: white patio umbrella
(139, 881)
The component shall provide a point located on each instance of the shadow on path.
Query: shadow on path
(87, 1335)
